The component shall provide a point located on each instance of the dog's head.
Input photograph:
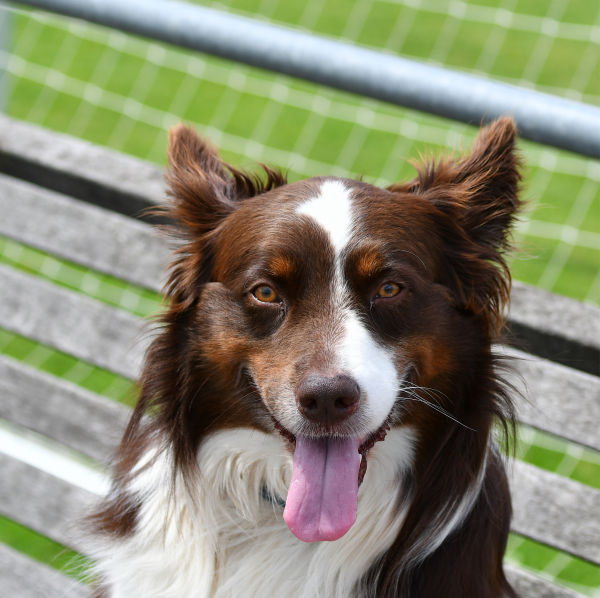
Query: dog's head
(328, 310)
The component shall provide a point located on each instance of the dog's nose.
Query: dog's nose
(327, 400)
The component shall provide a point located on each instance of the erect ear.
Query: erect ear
(200, 197)
(203, 190)
(481, 189)
(479, 196)
(200, 191)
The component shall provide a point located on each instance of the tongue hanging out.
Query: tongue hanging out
(323, 495)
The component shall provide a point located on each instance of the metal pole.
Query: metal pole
(540, 117)
(5, 37)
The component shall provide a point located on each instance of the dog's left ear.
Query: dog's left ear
(481, 189)
(479, 196)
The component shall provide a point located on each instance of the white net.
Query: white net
(124, 92)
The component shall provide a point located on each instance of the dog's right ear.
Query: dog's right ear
(201, 195)
(203, 190)
(200, 187)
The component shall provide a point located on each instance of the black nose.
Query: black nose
(327, 400)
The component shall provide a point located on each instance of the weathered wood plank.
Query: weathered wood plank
(78, 168)
(555, 327)
(23, 577)
(529, 585)
(71, 322)
(556, 398)
(83, 233)
(43, 502)
(556, 511)
(79, 419)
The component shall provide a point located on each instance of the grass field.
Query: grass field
(124, 92)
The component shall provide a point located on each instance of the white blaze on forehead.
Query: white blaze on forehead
(357, 352)
(332, 210)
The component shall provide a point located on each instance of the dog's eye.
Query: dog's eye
(387, 290)
(266, 294)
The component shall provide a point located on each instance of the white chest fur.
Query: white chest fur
(217, 535)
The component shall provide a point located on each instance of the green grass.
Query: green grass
(570, 571)
(104, 287)
(68, 367)
(44, 550)
(555, 454)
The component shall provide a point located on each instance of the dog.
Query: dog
(318, 411)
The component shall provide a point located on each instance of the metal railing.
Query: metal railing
(5, 30)
(540, 117)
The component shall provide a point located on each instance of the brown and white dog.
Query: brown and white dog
(317, 412)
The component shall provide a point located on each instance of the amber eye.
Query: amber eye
(266, 294)
(388, 289)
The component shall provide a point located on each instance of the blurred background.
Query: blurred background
(124, 92)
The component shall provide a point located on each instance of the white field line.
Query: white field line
(51, 458)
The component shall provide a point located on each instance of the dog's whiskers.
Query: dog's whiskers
(413, 396)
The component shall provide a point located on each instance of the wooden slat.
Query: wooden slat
(22, 577)
(556, 511)
(78, 168)
(529, 585)
(71, 322)
(61, 411)
(43, 502)
(83, 233)
(555, 327)
(557, 399)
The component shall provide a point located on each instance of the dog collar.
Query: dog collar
(271, 498)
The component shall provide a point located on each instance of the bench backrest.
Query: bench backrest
(74, 202)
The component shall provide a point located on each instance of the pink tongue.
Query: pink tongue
(323, 494)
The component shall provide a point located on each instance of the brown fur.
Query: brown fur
(442, 237)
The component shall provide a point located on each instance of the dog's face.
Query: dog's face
(326, 292)
(339, 307)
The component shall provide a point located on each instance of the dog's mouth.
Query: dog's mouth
(322, 498)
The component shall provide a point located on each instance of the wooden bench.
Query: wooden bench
(76, 201)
